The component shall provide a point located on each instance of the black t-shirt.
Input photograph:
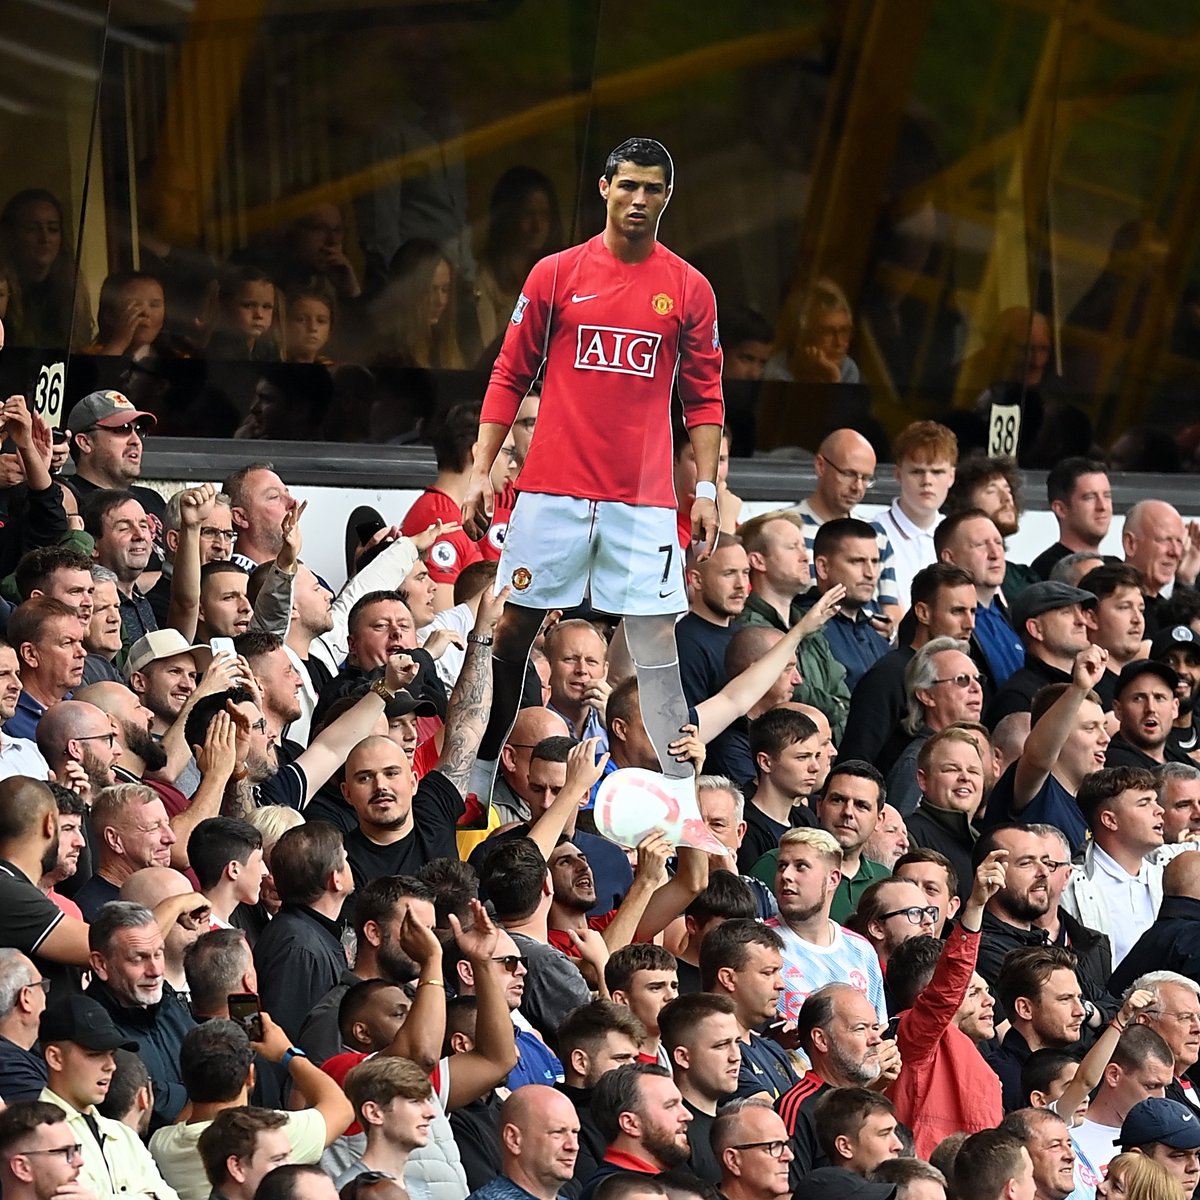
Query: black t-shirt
(27, 918)
(436, 806)
(701, 646)
(763, 832)
(94, 895)
(703, 1161)
(1045, 562)
(688, 976)
(288, 786)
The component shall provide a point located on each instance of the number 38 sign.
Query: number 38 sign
(1004, 429)
(48, 394)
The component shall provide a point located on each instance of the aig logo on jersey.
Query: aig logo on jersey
(625, 351)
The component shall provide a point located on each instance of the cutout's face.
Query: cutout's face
(634, 200)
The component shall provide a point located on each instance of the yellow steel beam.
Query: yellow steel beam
(205, 88)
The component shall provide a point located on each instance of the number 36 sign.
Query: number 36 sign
(48, 394)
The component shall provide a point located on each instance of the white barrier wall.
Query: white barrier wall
(329, 508)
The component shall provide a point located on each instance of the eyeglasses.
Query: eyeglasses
(774, 1149)
(259, 726)
(110, 738)
(43, 984)
(916, 914)
(510, 962)
(1053, 864)
(964, 680)
(216, 535)
(868, 481)
(1184, 1018)
(68, 1152)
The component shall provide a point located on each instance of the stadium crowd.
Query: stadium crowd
(262, 938)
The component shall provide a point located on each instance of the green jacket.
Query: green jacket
(824, 685)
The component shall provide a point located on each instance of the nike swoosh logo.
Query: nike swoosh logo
(580, 299)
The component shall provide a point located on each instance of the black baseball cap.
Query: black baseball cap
(404, 702)
(1145, 666)
(1176, 638)
(84, 1021)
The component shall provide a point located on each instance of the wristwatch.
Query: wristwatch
(290, 1053)
(382, 690)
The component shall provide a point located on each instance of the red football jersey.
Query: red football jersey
(452, 551)
(614, 337)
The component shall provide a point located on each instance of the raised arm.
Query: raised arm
(1047, 738)
(195, 507)
(744, 691)
(421, 1035)
(1088, 1076)
(219, 677)
(476, 1072)
(25, 428)
(582, 773)
(331, 747)
(320, 1090)
(273, 606)
(217, 760)
(471, 700)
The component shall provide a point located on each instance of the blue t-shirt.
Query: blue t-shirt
(1053, 805)
(536, 1063)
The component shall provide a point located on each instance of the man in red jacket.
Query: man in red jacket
(944, 1084)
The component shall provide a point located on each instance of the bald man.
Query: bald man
(132, 720)
(74, 731)
(539, 1142)
(150, 887)
(401, 824)
(1154, 541)
(1172, 943)
(29, 921)
(511, 796)
(845, 467)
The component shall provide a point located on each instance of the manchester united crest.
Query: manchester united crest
(662, 304)
(522, 577)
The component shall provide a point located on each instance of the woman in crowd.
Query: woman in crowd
(415, 315)
(55, 310)
(523, 226)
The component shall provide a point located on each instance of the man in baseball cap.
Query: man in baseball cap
(1167, 1132)
(108, 436)
(1145, 704)
(1179, 647)
(1048, 618)
(78, 1038)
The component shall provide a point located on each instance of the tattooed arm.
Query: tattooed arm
(471, 700)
